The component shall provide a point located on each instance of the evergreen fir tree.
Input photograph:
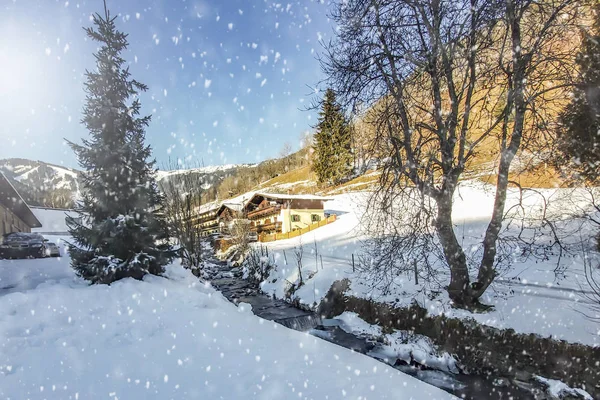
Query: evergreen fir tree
(120, 232)
(580, 142)
(333, 143)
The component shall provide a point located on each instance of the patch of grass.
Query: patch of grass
(359, 183)
(296, 175)
(540, 177)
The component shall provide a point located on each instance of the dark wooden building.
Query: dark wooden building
(15, 214)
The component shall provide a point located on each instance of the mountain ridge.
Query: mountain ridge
(45, 184)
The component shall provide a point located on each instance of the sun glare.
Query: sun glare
(21, 69)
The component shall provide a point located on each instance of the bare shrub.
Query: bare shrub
(258, 264)
(183, 197)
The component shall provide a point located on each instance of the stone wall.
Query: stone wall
(480, 349)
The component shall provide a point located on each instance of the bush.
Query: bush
(258, 264)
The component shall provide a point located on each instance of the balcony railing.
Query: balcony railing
(201, 219)
(274, 226)
(262, 212)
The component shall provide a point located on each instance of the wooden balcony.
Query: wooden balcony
(272, 227)
(199, 219)
(263, 212)
(211, 223)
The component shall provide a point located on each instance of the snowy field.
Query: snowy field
(528, 297)
(165, 338)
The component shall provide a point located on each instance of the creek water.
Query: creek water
(467, 386)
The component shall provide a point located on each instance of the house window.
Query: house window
(315, 217)
(295, 218)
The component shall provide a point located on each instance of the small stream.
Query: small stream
(237, 290)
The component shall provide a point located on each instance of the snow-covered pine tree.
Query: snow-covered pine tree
(121, 232)
(333, 152)
(580, 142)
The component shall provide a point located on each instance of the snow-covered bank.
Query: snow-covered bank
(530, 296)
(401, 345)
(168, 338)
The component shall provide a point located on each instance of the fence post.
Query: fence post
(321, 261)
(284, 257)
(353, 268)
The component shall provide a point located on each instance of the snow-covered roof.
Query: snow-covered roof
(239, 202)
(54, 220)
(208, 207)
(233, 206)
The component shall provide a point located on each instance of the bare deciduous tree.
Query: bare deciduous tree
(285, 152)
(299, 253)
(183, 194)
(592, 278)
(448, 80)
(239, 229)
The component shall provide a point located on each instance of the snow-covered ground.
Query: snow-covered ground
(166, 338)
(529, 297)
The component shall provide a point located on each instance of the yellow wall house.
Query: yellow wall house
(15, 214)
(282, 213)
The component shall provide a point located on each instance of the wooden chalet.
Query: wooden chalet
(271, 213)
(207, 218)
(227, 214)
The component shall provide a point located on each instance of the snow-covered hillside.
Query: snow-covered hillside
(166, 338)
(49, 185)
(211, 169)
(42, 183)
(531, 295)
(36, 172)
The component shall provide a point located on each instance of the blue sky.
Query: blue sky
(228, 80)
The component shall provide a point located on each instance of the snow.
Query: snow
(160, 174)
(212, 206)
(55, 177)
(529, 296)
(352, 323)
(23, 275)
(62, 173)
(24, 175)
(166, 337)
(401, 345)
(233, 206)
(559, 389)
(289, 185)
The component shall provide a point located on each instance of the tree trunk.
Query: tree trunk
(487, 271)
(510, 145)
(459, 288)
